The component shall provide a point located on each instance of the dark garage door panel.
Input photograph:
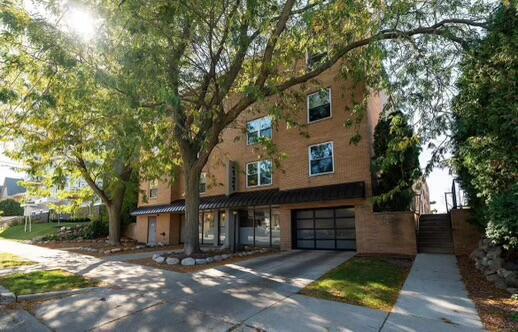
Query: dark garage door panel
(327, 228)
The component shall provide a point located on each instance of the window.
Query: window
(153, 189)
(203, 183)
(321, 159)
(258, 128)
(259, 173)
(319, 105)
(315, 59)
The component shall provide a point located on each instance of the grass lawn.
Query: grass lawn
(17, 232)
(372, 282)
(8, 261)
(44, 281)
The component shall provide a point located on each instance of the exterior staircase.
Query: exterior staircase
(434, 234)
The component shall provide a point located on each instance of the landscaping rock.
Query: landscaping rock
(115, 250)
(209, 260)
(218, 258)
(512, 279)
(200, 261)
(6, 296)
(172, 260)
(225, 256)
(159, 259)
(189, 261)
(140, 247)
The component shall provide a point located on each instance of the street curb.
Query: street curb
(52, 295)
(6, 296)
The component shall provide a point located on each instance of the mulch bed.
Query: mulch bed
(196, 268)
(73, 245)
(497, 310)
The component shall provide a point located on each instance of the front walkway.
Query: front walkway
(434, 299)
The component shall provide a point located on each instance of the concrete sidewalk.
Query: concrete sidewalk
(434, 299)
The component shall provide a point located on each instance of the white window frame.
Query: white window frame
(332, 158)
(259, 130)
(203, 176)
(330, 105)
(153, 184)
(259, 174)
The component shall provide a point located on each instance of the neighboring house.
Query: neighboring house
(39, 205)
(12, 190)
(317, 199)
(421, 202)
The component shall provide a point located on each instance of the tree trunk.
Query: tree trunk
(192, 207)
(114, 215)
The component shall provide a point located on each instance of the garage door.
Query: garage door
(325, 229)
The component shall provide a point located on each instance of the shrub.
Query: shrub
(98, 228)
(484, 130)
(396, 163)
(10, 207)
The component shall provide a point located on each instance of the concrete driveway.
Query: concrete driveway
(234, 296)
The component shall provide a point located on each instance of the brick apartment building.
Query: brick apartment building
(317, 198)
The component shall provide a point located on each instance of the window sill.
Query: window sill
(320, 174)
(319, 120)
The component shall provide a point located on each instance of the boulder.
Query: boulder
(140, 246)
(218, 258)
(209, 260)
(189, 261)
(159, 259)
(114, 250)
(512, 279)
(200, 261)
(494, 252)
(503, 272)
(225, 256)
(484, 244)
(172, 260)
(477, 254)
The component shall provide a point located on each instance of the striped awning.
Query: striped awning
(263, 198)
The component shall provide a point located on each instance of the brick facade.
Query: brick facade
(375, 232)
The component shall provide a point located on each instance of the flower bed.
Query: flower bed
(203, 258)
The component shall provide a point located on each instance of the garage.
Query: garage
(326, 228)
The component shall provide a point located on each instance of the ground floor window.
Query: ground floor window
(259, 227)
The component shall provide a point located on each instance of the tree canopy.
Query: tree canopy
(192, 67)
(486, 128)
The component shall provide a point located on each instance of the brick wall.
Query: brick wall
(465, 234)
(385, 232)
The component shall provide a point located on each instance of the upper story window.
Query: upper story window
(321, 159)
(259, 128)
(319, 105)
(313, 60)
(203, 182)
(153, 189)
(259, 173)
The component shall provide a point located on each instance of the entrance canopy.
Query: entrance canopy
(263, 198)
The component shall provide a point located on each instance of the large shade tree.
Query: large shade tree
(197, 65)
(62, 122)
